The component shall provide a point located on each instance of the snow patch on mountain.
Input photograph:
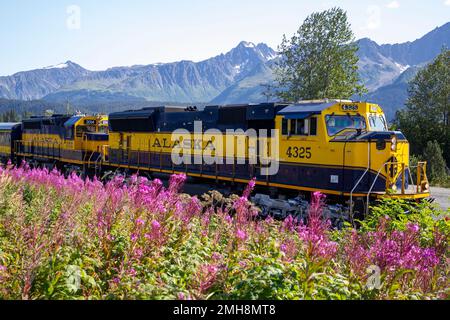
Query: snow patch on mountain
(401, 67)
(57, 66)
(249, 44)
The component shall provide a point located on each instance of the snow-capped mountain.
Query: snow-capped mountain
(238, 76)
(38, 83)
(184, 81)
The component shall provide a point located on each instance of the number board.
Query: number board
(90, 122)
(349, 107)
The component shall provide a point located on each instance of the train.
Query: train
(341, 148)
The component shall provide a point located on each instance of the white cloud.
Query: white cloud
(396, 4)
(447, 2)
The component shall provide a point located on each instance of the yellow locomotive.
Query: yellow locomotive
(9, 133)
(338, 147)
(63, 140)
(341, 148)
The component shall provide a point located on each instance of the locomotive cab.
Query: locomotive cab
(345, 148)
(9, 132)
(74, 139)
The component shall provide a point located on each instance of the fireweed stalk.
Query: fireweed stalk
(134, 238)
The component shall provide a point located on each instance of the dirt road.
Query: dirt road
(442, 196)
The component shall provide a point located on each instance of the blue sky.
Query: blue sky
(103, 33)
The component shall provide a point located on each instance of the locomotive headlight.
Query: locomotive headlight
(425, 186)
(394, 143)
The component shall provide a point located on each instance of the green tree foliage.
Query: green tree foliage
(426, 117)
(26, 115)
(9, 116)
(320, 60)
(437, 169)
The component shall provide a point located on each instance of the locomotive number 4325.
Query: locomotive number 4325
(299, 152)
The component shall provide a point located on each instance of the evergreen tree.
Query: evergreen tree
(436, 168)
(9, 116)
(320, 60)
(426, 117)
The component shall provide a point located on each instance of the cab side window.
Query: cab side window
(80, 130)
(284, 127)
(299, 127)
(293, 127)
(69, 133)
(313, 126)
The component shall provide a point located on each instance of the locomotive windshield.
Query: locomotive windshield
(336, 124)
(103, 129)
(377, 123)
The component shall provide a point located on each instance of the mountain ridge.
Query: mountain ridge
(237, 76)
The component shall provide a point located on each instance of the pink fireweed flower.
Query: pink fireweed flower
(156, 225)
(176, 182)
(315, 233)
(429, 259)
(132, 272)
(194, 207)
(241, 235)
(155, 233)
(212, 269)
(245, 212)
(228, 218)
(413, 227)
(157, 185)
(138, 253)
(133, 237)
(140, 222)
(180, 212)
(289, 224)
(269, 220)
(216, 256)
(206, 220)
(259, 228)
(249, 189)
(206, 275)
(134, 179)
(392, 251)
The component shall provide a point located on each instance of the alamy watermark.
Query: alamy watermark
(73, 278)
(73, 21)
(235, 146)
(374, 279)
